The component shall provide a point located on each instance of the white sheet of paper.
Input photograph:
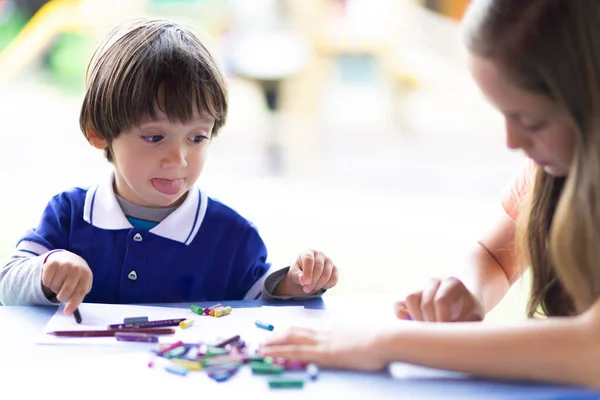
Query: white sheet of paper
(241, 321)
(410, 371)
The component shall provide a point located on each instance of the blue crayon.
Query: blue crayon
(133, 320)
(264, 325)
(313, 371)
(177, 369)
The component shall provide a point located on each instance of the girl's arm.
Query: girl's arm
(491, 269)
(493, 265)
(563, 350)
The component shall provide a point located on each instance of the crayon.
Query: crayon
(111, 332)
(264, 325)
(77, 315)
(149, 324)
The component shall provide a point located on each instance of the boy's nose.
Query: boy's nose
(175, 158)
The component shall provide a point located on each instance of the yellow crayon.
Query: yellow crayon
(191, 365)
(186, 324)
(219, 312)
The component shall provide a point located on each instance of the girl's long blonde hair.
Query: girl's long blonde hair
(550, 47)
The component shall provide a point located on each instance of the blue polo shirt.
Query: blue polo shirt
(202, 251)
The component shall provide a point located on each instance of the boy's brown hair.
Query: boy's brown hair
(148, 63)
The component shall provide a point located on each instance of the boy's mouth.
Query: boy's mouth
(168, 186)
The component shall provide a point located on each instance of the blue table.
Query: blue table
(21, 326)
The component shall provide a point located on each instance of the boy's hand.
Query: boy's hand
(311, 272)
(446, 300)
(68, 276)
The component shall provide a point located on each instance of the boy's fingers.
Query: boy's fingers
(74, 302)
(296, 272)
(311, 280)
(48, 274)
(59, 278)
(67, 289)
(88, 285)
(307, 267)
(333, 280)
(325, 276)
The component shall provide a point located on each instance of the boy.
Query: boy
(155, 98)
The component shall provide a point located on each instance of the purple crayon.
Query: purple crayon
(136, 337)
(148, 324)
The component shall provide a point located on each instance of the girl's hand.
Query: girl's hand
(446, 300)
(336, 349)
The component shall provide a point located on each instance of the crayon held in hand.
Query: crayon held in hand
(77, 315)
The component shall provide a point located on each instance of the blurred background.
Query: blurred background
(354, 128)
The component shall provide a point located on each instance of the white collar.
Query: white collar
(102, 210)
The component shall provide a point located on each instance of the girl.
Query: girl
(538, 63)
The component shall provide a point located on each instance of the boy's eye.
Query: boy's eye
(198, 139)
(153, 138)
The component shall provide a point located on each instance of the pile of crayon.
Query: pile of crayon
(217, 310)
(222, 360)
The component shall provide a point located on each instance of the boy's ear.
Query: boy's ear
(96, 140)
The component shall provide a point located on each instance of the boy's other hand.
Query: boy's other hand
(313, 271)
(68, 276)
(446, 300)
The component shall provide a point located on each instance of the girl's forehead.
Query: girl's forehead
(503, 94)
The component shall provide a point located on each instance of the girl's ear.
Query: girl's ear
(96, 140)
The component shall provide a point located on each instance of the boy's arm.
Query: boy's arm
(255, 278)
(278, 282)
(311, 274)
(21, 276)
(21, 281)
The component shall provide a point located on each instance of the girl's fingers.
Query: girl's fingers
(413, 305)
(308, 353)
(295, 336)
(401, 310)
(428, 300)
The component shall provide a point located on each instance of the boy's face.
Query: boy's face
(157, 162)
